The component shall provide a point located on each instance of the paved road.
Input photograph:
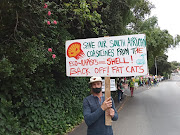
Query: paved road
(153, 112)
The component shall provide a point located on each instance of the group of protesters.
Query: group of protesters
(121, 86)
(150, 81)
(122, 83)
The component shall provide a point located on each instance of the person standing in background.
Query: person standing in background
(132, 83)
(119, 89)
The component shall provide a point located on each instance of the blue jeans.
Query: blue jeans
(149, 83)
(120, 94)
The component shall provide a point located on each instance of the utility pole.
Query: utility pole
(156, 65)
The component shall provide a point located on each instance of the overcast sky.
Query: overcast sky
(167, 12)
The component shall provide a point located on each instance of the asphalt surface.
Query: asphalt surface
(152, 111)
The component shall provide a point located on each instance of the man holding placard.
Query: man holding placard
(114, 56)
(94, 107)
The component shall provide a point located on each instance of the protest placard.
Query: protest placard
(114, 56)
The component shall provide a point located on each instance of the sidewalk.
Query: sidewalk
(82, 128)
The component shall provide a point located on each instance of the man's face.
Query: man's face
(96, 85)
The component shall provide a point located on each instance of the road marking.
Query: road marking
(121, 107)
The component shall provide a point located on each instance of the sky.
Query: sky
(167, 12)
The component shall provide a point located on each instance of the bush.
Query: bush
(9, 124)
(38, 98)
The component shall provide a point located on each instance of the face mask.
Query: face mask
(96, 90)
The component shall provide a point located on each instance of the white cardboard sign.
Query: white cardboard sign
(107, 56)
(112, 85)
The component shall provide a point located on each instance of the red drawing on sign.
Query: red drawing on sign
(131, 59)
(74, 50)
(101, 70)
(102, 62)
(134, 69)
(79, 71)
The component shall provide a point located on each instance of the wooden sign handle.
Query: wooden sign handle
(108, 120)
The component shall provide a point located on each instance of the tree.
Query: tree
(175, 65)
(177, 40)
(32, 82)
(118, 14)
(158, 41)
(163, 66)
